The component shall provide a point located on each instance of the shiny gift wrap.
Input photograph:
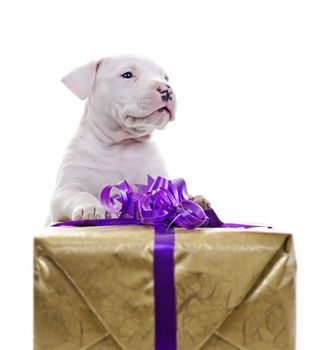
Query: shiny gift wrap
(94, 289)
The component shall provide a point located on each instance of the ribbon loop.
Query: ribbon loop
(160, 200)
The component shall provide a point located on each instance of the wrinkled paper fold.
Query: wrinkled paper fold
(94, 289)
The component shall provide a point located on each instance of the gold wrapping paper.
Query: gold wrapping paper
(94, 289)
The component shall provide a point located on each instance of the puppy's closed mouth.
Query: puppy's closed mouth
(164, 109)
(160, 110)
(156, 119)
(155, 113)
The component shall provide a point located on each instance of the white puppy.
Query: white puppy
(127, 98)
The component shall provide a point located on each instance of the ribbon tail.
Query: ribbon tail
(164, 289)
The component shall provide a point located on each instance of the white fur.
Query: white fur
(113, 140)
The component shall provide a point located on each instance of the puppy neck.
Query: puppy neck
(106, 129)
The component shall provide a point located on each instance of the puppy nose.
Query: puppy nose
(165, 94)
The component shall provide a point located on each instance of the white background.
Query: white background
(254, 81)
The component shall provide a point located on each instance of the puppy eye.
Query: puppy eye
(166, 78)
(127, 75)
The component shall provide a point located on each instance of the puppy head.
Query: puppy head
(134, 91)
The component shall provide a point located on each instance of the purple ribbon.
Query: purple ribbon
(164, 289)
(161, 200)
(163, 204)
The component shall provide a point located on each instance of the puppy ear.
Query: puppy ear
(81, 80)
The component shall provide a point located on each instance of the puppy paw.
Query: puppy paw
(202, 201)
(88, 212)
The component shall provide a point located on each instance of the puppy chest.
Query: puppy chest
(129, 158)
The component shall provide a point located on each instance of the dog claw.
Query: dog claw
(88, 212)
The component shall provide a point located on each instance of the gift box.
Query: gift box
(164, 275)
(220, 288)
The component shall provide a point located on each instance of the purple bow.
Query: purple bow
(161, 200)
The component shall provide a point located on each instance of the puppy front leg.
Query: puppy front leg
(75, 205)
